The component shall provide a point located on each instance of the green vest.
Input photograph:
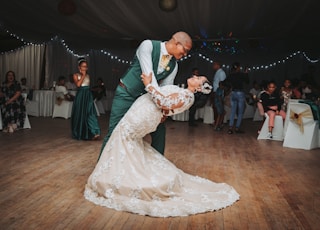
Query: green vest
(132, 78)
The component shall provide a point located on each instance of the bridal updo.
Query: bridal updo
(206, 87)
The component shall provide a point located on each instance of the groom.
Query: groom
(158, 58)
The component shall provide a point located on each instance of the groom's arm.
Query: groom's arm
(144, 55)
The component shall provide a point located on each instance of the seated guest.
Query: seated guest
(70, 85)
(99, 90)
(286, 94)
(60, 88)
(272, 103)
(13, 110)
(254, 93)
(24, 86)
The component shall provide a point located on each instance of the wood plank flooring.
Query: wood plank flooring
(43, 172)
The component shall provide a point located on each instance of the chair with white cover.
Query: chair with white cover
(26, 124)
(277, 131)
(302, 130)
(248, 111)
(32, 108)
(208, 116)
(96, 107)
(62, 108)
(259, 113)
(100, 106)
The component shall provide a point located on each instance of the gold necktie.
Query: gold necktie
(165, 59)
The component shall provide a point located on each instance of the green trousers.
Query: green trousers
(121, 103)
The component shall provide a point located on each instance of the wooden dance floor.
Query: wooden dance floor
(44, 171)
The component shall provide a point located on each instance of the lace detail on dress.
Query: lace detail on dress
(132, 176)
(177, 101)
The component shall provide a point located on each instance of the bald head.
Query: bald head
(183, 38)
(179, 45)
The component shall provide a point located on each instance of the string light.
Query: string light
(194, 54)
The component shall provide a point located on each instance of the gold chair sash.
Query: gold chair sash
(297, 117)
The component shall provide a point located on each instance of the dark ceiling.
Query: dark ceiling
(115, 24)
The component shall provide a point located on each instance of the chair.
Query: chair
(277, 131)
(100, 107)
(26, 124)
(248, 111)
(96, 107)
(257, 116)
(32, 108)
(208, 116)
(259, 113)
(63, 108)
(302, 130)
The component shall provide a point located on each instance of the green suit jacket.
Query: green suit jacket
(132, 79)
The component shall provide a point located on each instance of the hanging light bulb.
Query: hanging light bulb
(168, 5)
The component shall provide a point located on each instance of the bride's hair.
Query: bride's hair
(206, 87)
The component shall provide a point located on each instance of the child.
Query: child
(271, 103)
(219, 104)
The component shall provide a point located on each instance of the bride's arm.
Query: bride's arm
(167, 102)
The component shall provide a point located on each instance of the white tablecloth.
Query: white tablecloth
(181, 116)
(205, 113)
(46, 101)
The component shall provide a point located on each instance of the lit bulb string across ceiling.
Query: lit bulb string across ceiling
(193, 54)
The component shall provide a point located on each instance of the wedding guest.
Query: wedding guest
(84, 122)
(254, 93)
(219, 75)
(24, 86)
(200, 100)
(219, 105)
(61, 89)
(272, 103)
(159, 59)
(237, 79)
(70, 85)
(99, 90)
(13, 110)
(286, 94)
(134, 177)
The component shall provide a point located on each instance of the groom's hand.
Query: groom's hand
(163, 119)
(165, 113)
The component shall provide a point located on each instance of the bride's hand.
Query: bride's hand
(146, 79)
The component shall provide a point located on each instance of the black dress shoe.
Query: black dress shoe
(239, 131)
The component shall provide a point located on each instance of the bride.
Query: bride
(132, 176)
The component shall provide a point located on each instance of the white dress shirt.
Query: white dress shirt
(220, 75)
(144, 55)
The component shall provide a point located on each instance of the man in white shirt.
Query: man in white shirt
(24, 86)
(70, 84)
(219, 75)
(159, 59)
(61, 90)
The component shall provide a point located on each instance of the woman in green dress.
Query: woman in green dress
(84, 122)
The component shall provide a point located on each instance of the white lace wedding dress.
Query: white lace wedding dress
(132, 176)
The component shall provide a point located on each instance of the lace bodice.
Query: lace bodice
(172, 98)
